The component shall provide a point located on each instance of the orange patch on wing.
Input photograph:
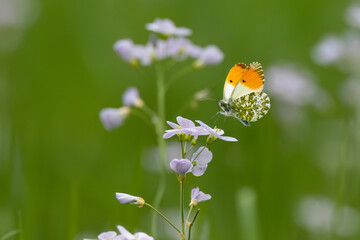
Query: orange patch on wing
(235, 74)
(253, 77)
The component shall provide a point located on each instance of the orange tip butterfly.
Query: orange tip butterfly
(243, 98)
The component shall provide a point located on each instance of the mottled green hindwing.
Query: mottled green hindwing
(251, 107)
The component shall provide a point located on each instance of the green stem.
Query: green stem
(182, 207)
(160, 128)
(191, 207)
(191, 224)
(163, 216)
(187, 218)
(148, 111)
(182, 149)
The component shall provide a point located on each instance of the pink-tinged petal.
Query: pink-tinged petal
(112, 118)
(170, 133)
(126, 198)
(210, 55)
(228, 139)
(171, 124)
(198, 171)
(185, 123)
(131, 97)
(167, 27)
(124, 48)
(202, 156)
(142, 236)
(181, 166)
(125, 233)
(107, 235)
(201, 161)
(216, 132)
(198, 196)
(206, 127)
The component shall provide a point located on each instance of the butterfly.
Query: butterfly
(243, 98)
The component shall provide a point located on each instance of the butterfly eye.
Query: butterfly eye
(243, 81)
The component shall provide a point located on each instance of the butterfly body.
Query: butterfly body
(243, 98)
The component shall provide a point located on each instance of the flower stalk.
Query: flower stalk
(163, 216)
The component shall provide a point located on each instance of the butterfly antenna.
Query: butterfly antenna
(206, 99)
(216, 116)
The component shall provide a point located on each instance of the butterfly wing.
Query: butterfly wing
(233, 78)
(251, 107)
(252, 80)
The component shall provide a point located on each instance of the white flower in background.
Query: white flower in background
(131, 98)
(134, 53)
(210, 55)
(113, 117)
(342, 51)
(353, 15)
(315, 213)
(181, 48)
(15, 17)
(320, 215)
(292, 85)
(330, 50)
(167, 28)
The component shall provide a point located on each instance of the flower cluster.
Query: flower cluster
(186, 131)
(168, 42)
(114, 117)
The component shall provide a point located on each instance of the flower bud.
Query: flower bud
(210, 139)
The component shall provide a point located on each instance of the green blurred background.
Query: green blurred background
(59, 168)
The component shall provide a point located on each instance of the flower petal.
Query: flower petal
(185, 123)
(126, 198)
(198, 196)
(170, 133)
(181, 166)
(173, 125)
(125, 233)
(112, 118)
(202, 156)
(206, 127)
(107, 235)
(142, 236)
(228, 139)
(124, 48)
(130, 97)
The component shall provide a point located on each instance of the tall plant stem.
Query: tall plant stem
(182, 207)
(161, 143)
